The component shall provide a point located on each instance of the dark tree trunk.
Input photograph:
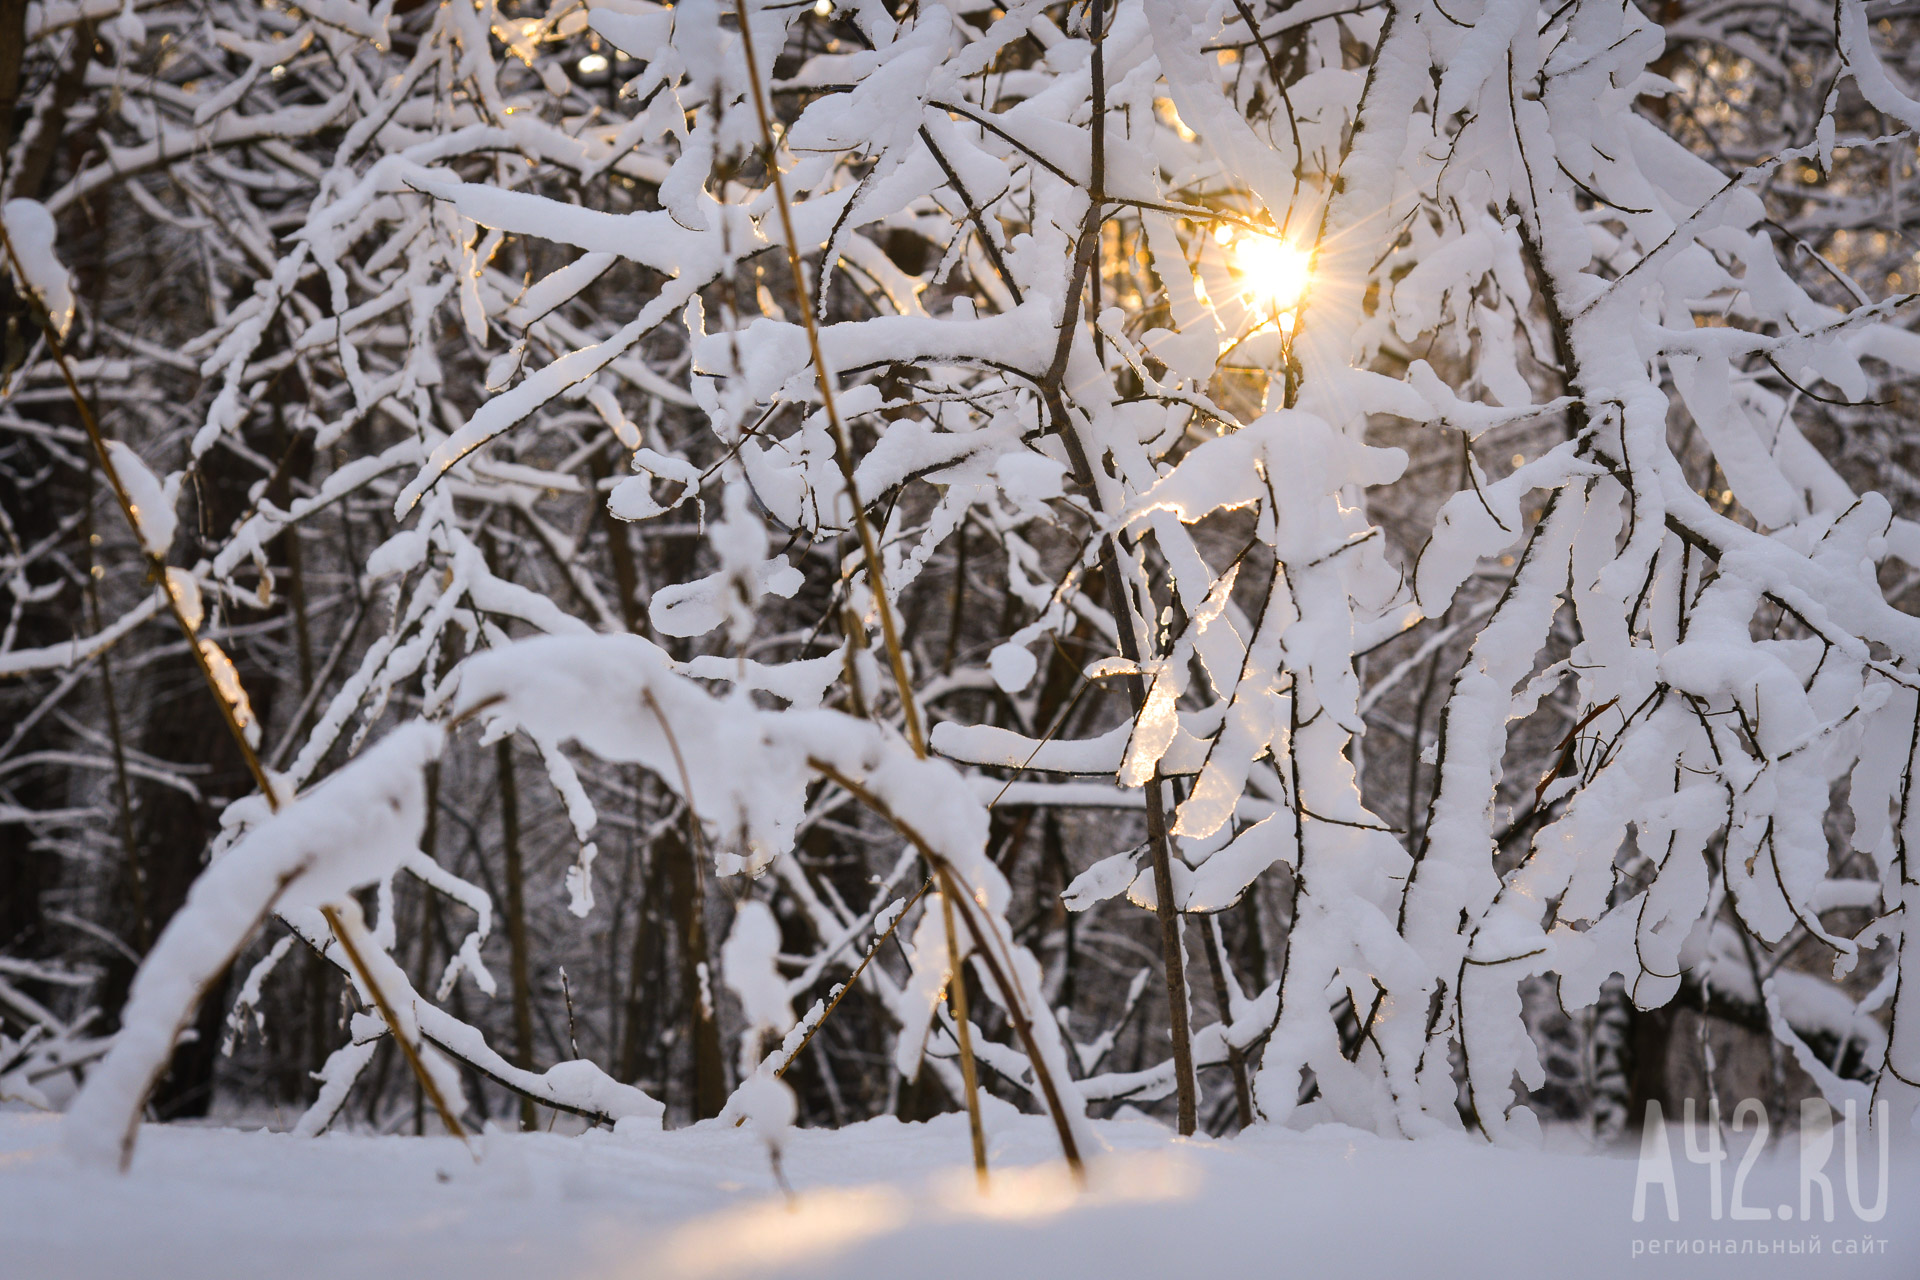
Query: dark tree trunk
(690, 910)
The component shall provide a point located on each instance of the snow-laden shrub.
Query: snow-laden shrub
(1208, 325)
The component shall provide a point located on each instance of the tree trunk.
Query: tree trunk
(516, 919)
(709, 1092)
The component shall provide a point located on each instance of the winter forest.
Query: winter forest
(729, 602)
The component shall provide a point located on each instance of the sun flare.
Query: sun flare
(1273, 272)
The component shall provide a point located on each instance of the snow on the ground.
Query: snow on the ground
(885, 1199)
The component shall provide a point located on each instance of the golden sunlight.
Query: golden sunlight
(1274, 273)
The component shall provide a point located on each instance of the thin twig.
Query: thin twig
(156, 561)
(963, 1031)
(1016, 1011)
(412, 1055)
(854, 978)
(842, 447)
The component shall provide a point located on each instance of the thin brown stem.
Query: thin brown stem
(1016, 1009)
(842, 446)
(852, 979)
(156, 562)
(427, 1083)
(963, 1030)
(1060, 421)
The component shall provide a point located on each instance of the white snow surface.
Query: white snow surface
(884, 1198)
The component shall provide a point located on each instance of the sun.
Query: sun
(1273, 272)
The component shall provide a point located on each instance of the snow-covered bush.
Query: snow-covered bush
(1409, 495)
